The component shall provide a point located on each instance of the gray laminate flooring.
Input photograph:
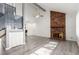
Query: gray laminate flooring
(66, 48)
(34, 43)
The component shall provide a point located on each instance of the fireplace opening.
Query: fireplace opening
(58, 35)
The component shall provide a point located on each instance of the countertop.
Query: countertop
(16, 30)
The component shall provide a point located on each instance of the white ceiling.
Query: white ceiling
(61, 7)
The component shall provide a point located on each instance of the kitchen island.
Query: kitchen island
(15, 37)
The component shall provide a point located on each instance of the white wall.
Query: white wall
(43, 25)
(29, 19)
(71, 26)
(36, 26)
